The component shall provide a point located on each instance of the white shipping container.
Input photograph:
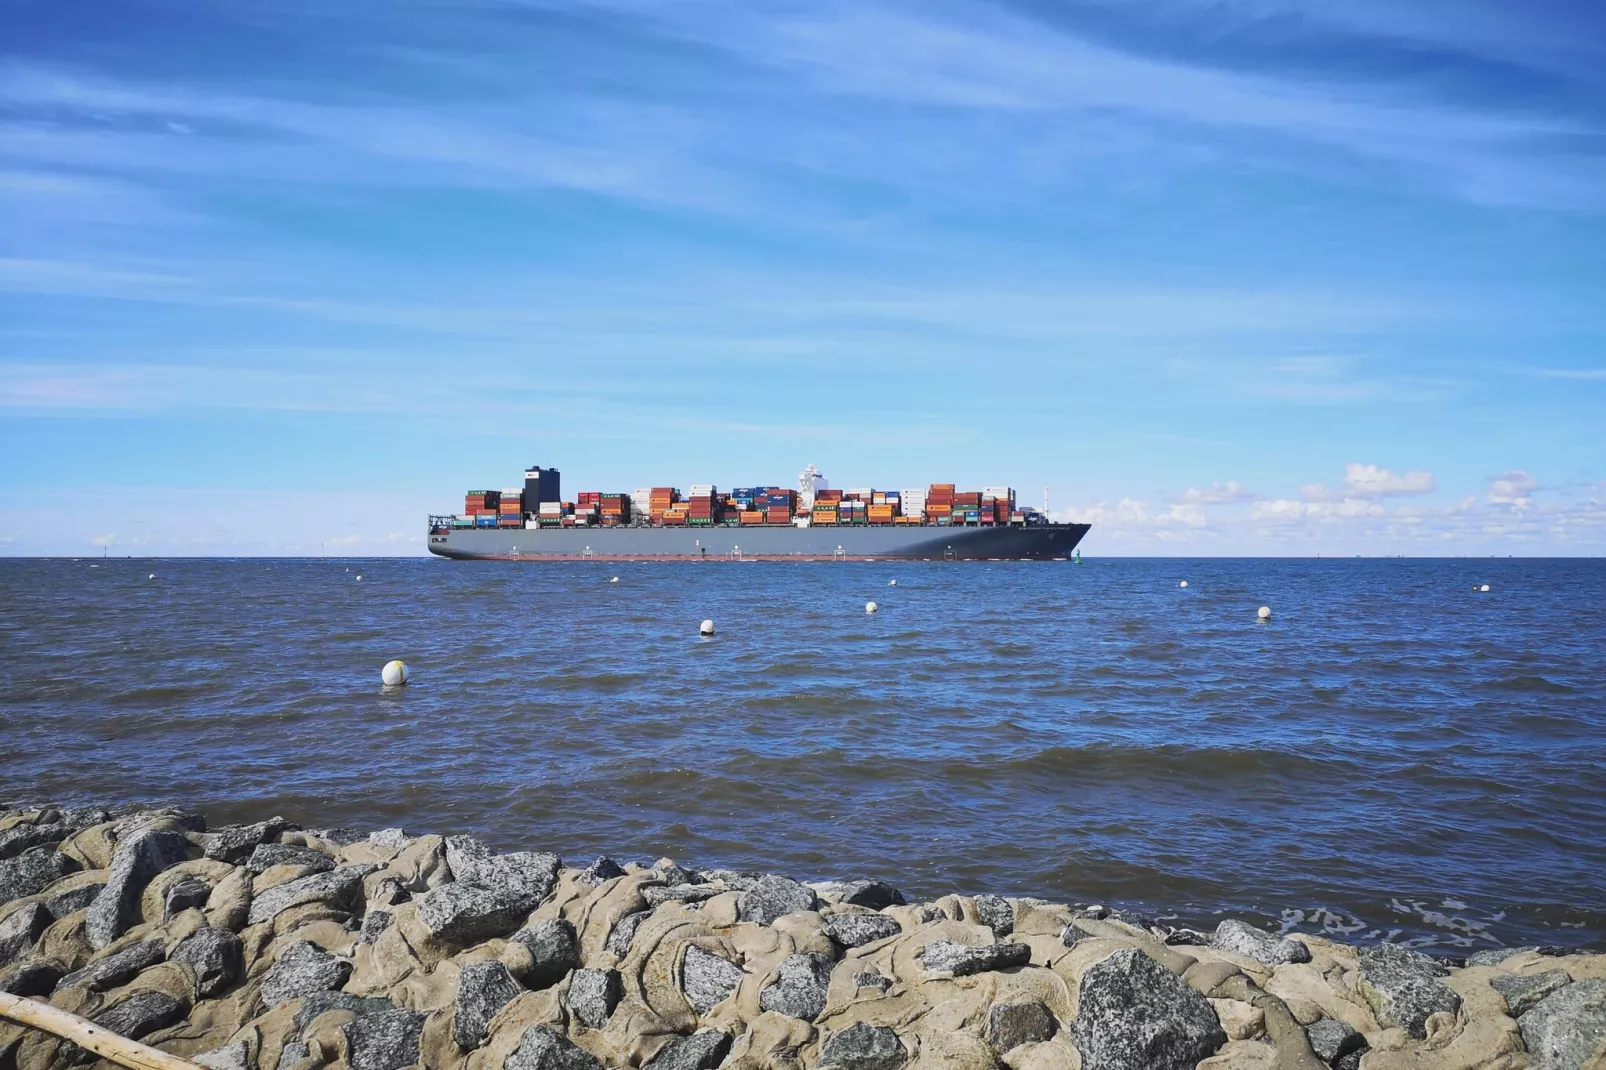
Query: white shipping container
(863, 492)
(1007, 493)
(702, 490)
(532, 524)
(513, 493)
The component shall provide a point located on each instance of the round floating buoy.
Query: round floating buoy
(1184, 583)
(1263, 613)
(614, 580)
(870, 607)
(394, 674)
(892, 583)
(706, 628)
(359, 577)
(152, 576)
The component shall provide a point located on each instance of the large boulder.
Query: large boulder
(876, 895)
(20, 929)
(140, 1014)
(856, 930)
(1333, 1040)
(324, 1002)
(799, 990)
(116, 969)
(1523, 991)
(235, 843)
(703, 1050)
(528, 873)
(997, 914)
(554, 949)
(774, 897)
(624, 931)
(31, 979)
(863, 1047)
(1241, 938)
(542, 1049)
(1403, 987)
(483, 989)
(302, 969)
(136, 860)
(216, 956)
(1134, 1014)
(340, 888)
(462, 914)
(1009, 1025)
(388, 1040)
(603, 869)
(32, 872)
(191, 893)
(960, 960)
(707, 979)
(593, 994)
(268, 855)
(1567, 1029)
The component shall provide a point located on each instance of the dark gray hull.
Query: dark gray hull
(1042, 542)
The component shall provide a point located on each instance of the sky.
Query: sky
(1223, 277)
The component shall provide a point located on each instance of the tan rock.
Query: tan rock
(1242, 1021)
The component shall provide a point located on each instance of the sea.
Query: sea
(1395, 755)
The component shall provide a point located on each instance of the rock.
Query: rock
(877, 895)
(863, 1047)
(292, 1053)
(1130, 917)
(932, 912)
(1074, 934)
(997, 914)
(463, 914)
(188, 894)
(527, 873)
(1403, 987)
(389, 892)
(115, 969)
(216, 956)
(1494, 956)
(871, 979)
(323, 1002)
(31, 979)
(340, 888)
(856, 930)
(389, 838)
(268, 855)
(484, 989)
(140, 1014)
(32, 872)
(555, 948)
(234, 843)
(1241, 938)
(945, 956)
(72, 900)
(673, 873)
(774, 897)
(135, 861)
(707, 979)
(542, 1049)
(1188, 938)
(339, 837)
(1332, 1039)
(388, 1040)
(703, 1050)
(799, 991)
(20, 838)
(20, 929)
(1522, 991)
(655, 894)
(1009, 1025)
(739, 882)
(1134, 1014)
(302, 969)
(593, 994)
(235, 1055)
(624, 930)
(602, 870)
(1567, 1029)
(373, 923)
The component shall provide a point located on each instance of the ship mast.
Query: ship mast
(808, 481)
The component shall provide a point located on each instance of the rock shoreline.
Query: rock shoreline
(272, 947)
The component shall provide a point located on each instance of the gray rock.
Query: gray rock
(302, 969)
(1188, 938)
(1403, 987)
(217, 957)
(373, 923)
(593, 994)
(140, 1014)
(384, 1041)
(292, 1052)
(1567, 1028)
(267, 855)
(932, 912)
(1522, 991)
(235, 1055)
(554, 946)
(799, 990)
(864, 1047)
(461, 914)
(997, 914)
(135, 861)
(871, 979)
(1241, 938)
(624, 931)
(1494, 956)
(234, 843)
(733, 880)
(1074, 934)
(1009, 1025)
(673, 873)
(389, 838)
(1332, 1040)
(20, 838)
(945, 956)
(703, 1050)
(656, 894)
(877, 895)
(856, 930)
(340, 888)
(527, 873)
(32, 872)
(31, 979)
(707, 979)
(774, 897)
(542, 1049)
(115, 969)
(484, 989)
(389, 892)
(603, 869)
(324, 1002)
(1134, 1014)
(1130, 917)
(188, 894)
(339, 837)
(72, 900)
(20, 929)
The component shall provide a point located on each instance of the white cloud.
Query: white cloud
(1515, 489)
(1370, 481)
(1216, 493)
(104, 540)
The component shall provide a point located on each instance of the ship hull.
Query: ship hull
(1037, 542)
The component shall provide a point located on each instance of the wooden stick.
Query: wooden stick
(86, 1034)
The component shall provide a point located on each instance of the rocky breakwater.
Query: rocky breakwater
(271, 947)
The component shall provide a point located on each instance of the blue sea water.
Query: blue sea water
(1393, 756)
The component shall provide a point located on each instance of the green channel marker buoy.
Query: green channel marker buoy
(1076, 557)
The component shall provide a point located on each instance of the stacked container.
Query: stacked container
(702, 510)
(476, 502)
(660, 500)
(550, 515)
(940, 502)
(881, 512)
(614, 509)
(510, 509)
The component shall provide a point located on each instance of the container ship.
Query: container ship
(813, 522)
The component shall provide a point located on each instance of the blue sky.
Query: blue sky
(1226, 276)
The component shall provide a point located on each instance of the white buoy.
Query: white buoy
(1264, 613)
(359, 577)
(706, 628)
(1184, 583)
(614, 580)
(394, 674)
(870, 607)
(892, 583)
(152, 576)
(1484, 589)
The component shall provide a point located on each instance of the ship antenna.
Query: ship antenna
(1045, 503)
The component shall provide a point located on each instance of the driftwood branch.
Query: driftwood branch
(88, 1035)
